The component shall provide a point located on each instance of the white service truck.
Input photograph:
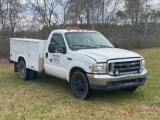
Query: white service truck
(86, 59)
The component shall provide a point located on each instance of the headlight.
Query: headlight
(99, 68)
(143, 64)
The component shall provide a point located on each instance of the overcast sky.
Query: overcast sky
(154, 3)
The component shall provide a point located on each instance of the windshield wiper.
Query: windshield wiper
(103, 46)
(86, 46)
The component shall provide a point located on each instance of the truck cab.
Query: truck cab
(87, 60)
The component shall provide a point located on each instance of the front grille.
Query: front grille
(124, 68)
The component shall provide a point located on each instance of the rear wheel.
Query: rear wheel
(80, 86)
(130, 89)
(24, 73)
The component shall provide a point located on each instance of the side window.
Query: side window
(57, 40)
(57, 44)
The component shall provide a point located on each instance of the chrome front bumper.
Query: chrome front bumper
(105, 82)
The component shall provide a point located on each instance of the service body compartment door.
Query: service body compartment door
(33, 55)
(17, 48)
(20, 46)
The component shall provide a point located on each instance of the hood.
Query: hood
(104, 54)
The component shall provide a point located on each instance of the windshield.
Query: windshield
(86, 40)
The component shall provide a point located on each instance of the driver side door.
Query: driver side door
(56, 59)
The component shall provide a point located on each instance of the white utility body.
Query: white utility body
(32, 50)
(86, 59)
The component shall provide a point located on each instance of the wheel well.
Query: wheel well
(73, 70)
(21, 58)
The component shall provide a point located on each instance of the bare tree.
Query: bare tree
(94, 11)
(3, 24)
(46, 10)
(78, 9)
(64, 4)
(14, 14)
(10, 16)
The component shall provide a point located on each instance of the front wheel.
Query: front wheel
(80, 86)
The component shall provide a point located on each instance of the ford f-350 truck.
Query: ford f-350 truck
(86, 59)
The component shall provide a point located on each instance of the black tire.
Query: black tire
(24, 73)
(130, 89)
(33, 75)
(80, 86)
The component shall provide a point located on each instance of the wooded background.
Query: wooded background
(133, 23)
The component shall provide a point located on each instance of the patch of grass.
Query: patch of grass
(51, 98)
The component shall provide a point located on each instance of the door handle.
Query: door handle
(46, 54)
(69, 58)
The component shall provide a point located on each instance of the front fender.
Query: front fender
(78, 64)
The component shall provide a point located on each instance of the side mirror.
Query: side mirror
(116, 45)
(53, 49)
